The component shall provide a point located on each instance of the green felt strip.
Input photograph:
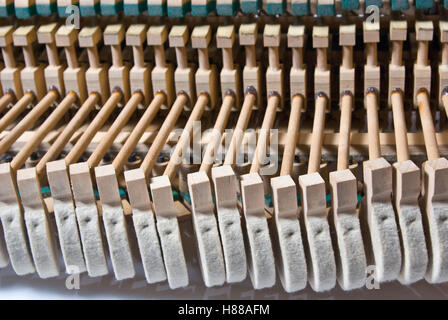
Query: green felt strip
(227, 9)
(325, 10)
(377, 3)
(7, 11)
(399, 5)
(111, 9)
(25, 13)
(134, 9)
(300, 9)
(251, 6)
(46, 9)
(424, 4)
(178, 12)
(276, 8)
(90, 11)
(350, 4)
(203, 10)
(185, 196)
(157, 10)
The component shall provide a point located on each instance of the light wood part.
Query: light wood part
(115, 129)
(424, 31)
(6, 41)
(218, 129)
(53, 73)
(96, 124)
(274, 72)
(372, 54)
(8, 57)
(297, 58)
(371, 69)
(264, 133)
(52, 53)
(118, 73)
(16, 110)
(137, 132)
(444, 58)
(397, 71)
(205, 76)
(5, 100)
(135, 37)
(445, 102)
(72, 60)
(400, 127)
(291, 135)
(435, 199)
(347, 57)
(297, 75)
(347, 35)
(373, 127)
(183, 75)
(241, 125)
(28, 54)
(397, 53)
(227, 59)
(321, 63)
(42, 131)
(164, 131)
(443, 66)
(184, 139)
(67, 133)
(344, 132)
(320, 37)
(161, 74)
(46, 34)
(318, 134)
(66, 37)
(429, 133)
(422, 53)
(117, 56)
(29, 119)
(248, 34)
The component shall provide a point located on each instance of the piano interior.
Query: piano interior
(305, 142)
